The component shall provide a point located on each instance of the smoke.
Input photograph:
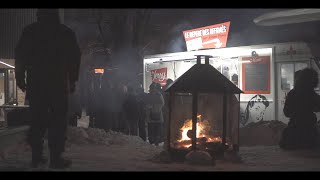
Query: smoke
(236, 39)
(177, 44)
(176, 41)
(128, 63)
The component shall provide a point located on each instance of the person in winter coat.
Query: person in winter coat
(154, 106)
(300, 106)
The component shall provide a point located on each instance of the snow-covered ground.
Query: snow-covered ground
(96, 150)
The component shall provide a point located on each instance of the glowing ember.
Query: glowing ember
(215, 139)
(187, 146)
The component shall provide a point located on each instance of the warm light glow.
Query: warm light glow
(101, 71)
(188, 126)
(202, 131)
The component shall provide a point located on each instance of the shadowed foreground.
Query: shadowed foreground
(117, 152)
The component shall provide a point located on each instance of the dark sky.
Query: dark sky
(243, 31)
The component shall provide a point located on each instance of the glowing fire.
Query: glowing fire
(188, 126)
(203, 128)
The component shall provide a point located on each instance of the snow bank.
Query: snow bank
(80, 135)
(267, 133)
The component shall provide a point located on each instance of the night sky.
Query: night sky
(243, 31)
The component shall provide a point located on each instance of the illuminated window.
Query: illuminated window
(287, 74)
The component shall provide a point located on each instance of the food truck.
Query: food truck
(265, 74)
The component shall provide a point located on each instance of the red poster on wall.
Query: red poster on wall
(159, 76)
(256, 75)
(214, 36)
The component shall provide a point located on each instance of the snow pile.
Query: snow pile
(266, 133)
(80, 135)
(97, 136)
(77, 136)
(122, 139)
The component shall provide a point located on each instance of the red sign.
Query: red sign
(159, 76)
(214, 36)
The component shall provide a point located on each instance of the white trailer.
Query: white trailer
(264, 72)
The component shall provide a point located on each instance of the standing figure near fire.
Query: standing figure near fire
(47, 66)
(155, 103)
(141, 98)
(131, 109)
(301, 103)
(165, 109)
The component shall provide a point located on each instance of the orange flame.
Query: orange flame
(188, 126)
(202, 127)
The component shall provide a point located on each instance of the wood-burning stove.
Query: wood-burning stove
(203, 112)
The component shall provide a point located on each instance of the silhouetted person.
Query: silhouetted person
(141, 98)
(116, 108)
(131, 109)
(107, 104)
(154, 105)
(235, 79)
(96, 102)
(301, 103)
(90, 106)
(75, 110)
(48, 55)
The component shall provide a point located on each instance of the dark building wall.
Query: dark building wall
(12, 22)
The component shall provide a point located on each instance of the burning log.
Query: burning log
(189, 134)
(201, 140)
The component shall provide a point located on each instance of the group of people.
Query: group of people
(125, 107)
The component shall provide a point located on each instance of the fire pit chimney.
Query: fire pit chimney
(207, 57)
(199, 59)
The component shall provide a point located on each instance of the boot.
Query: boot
(38, 158)
(58, 162)
(38, 161)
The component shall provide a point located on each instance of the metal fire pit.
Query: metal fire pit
(203, 112)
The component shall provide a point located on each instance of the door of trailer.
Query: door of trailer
(285, 82)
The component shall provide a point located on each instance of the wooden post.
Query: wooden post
(198, 59)
(207, 60)
(169, 122)
(194, 119)
(224, 116)
(239, 116)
